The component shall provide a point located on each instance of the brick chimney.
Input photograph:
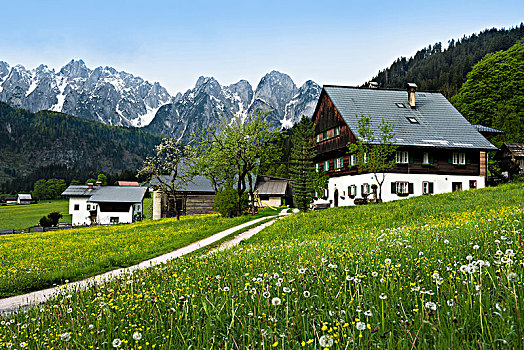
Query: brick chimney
(412, 87)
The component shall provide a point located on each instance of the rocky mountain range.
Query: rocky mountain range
(119, 98)
(102, 94)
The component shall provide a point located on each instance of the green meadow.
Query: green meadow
(441, 271)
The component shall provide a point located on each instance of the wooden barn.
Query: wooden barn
(195, 197)
(274, 191)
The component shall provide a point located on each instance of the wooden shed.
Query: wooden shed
(511, 156)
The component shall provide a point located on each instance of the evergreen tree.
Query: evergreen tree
(302, 168)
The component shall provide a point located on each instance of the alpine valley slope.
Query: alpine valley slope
(119, 98)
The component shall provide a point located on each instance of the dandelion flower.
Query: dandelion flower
(276, 301)
(387, 261)
(326, 341)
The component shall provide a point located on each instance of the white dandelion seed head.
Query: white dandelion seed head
(302, 271)
(137, 336)
(430, 305)
(225, 289)
(368, 313)
(276, 301)
(512, 276)
(307, 294)
(469, 258)
(387, 261)
(383, 296)
(361, 326)
(286, 290)
(266, 295)
(116, 343)
(446, 241)
(326, 341)
(374, 274)
(450, 302)
(476, 247)
(65, 336)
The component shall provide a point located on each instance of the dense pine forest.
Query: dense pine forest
(47, 145)
(436, 69)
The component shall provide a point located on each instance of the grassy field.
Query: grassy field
(441, 271)
(24, 216)
(34, 261)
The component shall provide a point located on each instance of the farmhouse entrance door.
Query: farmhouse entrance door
(336, 197)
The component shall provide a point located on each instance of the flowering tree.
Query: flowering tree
(374, 153)
(167, 168)
(232, 150)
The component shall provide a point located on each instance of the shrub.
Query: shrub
(46, 221)
(54, 217)
(226, 202)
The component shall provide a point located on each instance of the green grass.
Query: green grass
(441, 271)
(25, 216)
(34, 261)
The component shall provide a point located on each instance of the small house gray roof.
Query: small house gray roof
(25, 196)
(436, 122)
(198, 184)
(80, 191)
(99, 194)
(271, 186)
(120, 194)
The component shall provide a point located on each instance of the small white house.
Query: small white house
(24, 198)
(105, 204)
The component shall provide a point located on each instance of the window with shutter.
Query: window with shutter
(459, 158)
(317, 167)
(427, 187)
(425, 158)
(402, 188)
(326, 165)
(410, 188)
(401, 157)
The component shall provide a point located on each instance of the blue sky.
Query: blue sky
(330, 42)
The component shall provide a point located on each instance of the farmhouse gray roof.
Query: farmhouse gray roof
(487, 129)
(113, 194)
(436, 122)
(198, 184)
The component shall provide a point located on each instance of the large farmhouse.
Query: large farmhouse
(104, 205)
(438, 149)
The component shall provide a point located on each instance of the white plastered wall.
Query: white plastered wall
(441, 184)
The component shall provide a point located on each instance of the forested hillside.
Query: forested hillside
(435, 69)
(493, 94)
(49, 144)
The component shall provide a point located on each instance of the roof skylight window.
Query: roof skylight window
(400, 105)
(412, 120)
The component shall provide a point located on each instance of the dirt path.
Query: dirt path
(14, 303)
